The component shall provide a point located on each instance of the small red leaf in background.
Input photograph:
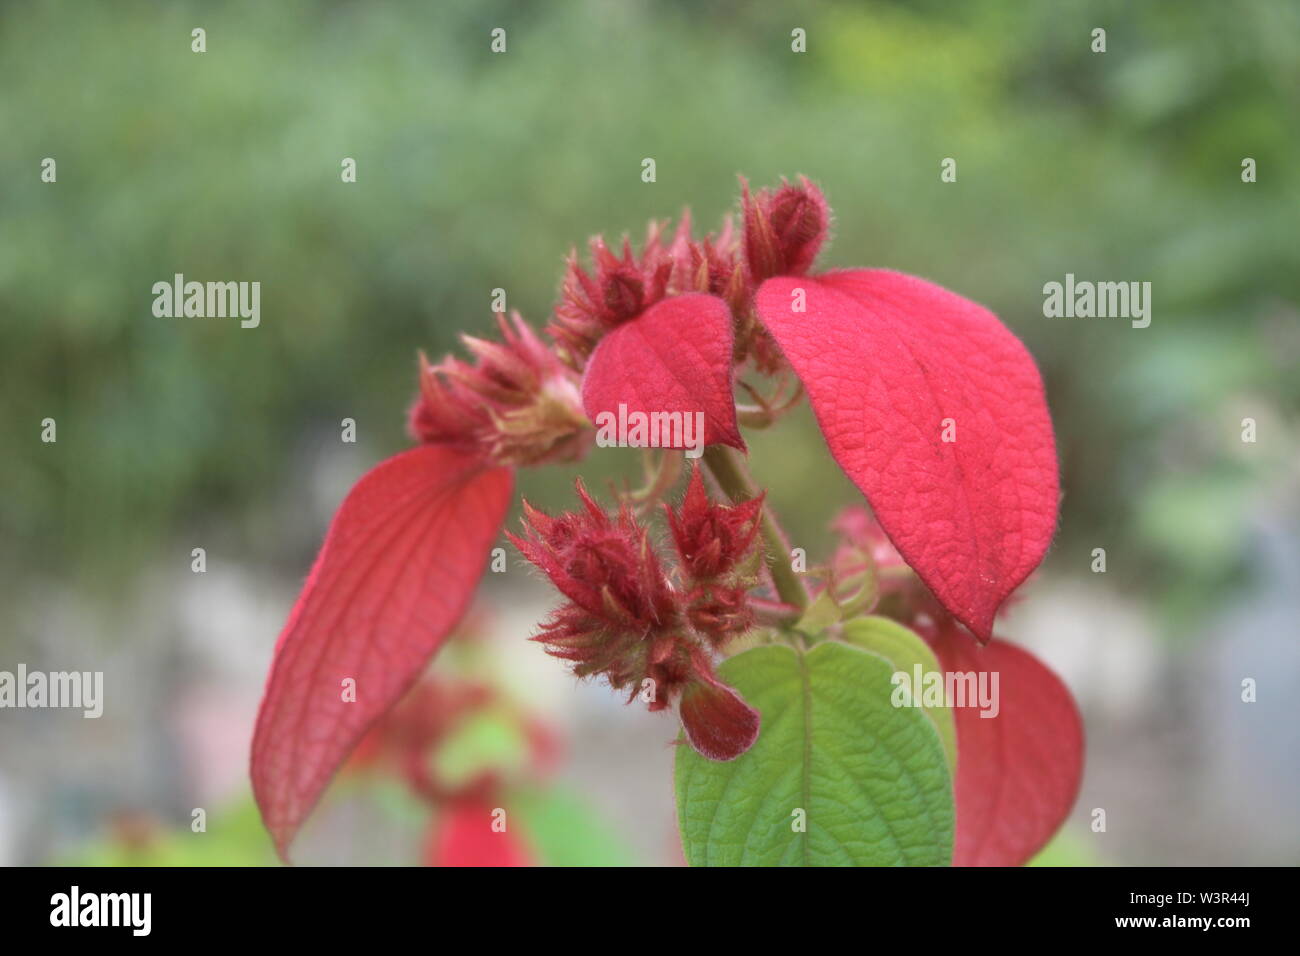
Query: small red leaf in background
(462, 835)
(893, 364)
(398, 567)
(674, 357)
(1018, 773)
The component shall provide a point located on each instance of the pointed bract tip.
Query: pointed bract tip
(719, 724)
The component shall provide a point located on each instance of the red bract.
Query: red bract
(718, 722)
(936, 412)
(402, 559)
(1018, 773)
(669, 363)
(652, 339)
(397, 569)
(624, 621)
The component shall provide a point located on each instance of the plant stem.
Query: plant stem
(775, 614)
(661, 470)
(730, 474)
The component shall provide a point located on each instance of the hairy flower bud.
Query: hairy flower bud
(784, 228)
(713, 265)
(518, 403)
(712, 539)
(618, 289)
(623, 620)
(618, 594)
(718, 559)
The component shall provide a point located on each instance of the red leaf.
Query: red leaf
(462, 835)
(400, 562)
(1017, 773)
(674, 357)
(893, 365)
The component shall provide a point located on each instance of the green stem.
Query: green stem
(726, 468)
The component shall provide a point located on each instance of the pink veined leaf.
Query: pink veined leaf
(935, 410)
(1018, 773)
(398, 567)
(463, 835)
(674, 357)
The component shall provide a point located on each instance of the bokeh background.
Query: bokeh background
(478, 171)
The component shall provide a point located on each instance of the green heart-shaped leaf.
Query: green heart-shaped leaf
(838, 776)
(905, 649)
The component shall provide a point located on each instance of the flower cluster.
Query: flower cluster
(626, 621)
(518, 404)
(783, 230)
(621, 288)
(887, 361)
(717, 559)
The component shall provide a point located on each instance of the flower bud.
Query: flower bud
(711, 539)
(618, 289)
(624, 621)
(518, 403)
(784, 228)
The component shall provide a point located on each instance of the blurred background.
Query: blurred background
(477, 171)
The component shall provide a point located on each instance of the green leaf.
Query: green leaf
(234, 837)
(563, 830)
(871, 779)
(905, 649)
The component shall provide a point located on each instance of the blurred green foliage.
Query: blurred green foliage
(1067, 848)
(235, 837)
(477, 171)
(558, 826)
